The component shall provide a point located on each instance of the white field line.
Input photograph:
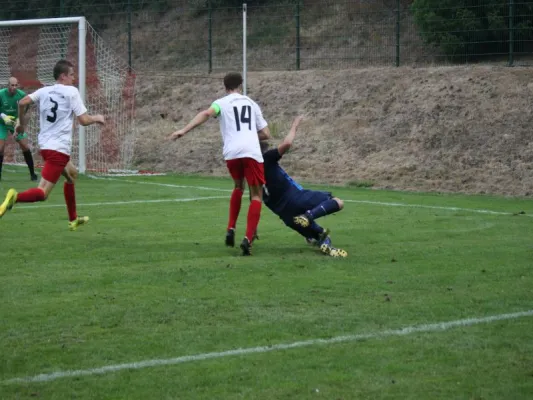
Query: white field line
(123, 173)
(425, 328)
(474, 210)
(160, 184)
(378, 203)
(115, 203)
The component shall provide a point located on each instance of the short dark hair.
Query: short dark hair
(62, 67)
(232, 80)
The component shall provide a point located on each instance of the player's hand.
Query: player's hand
(9, 120)
(99, 119)
(178, 134)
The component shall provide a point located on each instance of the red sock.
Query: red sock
(70, 199)
(234, 207)
(31, 196)
(254, 213)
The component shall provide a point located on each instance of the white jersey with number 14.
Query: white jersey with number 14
(240, 119)
(58, 104)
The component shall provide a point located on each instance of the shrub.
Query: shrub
(467, 29)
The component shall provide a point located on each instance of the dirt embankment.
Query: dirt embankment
(465, 129)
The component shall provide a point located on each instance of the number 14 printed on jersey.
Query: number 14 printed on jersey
(243, 118)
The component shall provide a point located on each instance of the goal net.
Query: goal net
(29, 50)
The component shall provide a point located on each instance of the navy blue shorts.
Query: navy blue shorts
(303, 201)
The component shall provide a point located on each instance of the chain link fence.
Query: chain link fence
(204, 36)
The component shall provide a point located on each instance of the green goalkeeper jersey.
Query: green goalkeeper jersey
(9, 104)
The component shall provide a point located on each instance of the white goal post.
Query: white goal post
(29, 50)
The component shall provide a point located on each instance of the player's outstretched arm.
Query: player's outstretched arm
(199, 119)
(23, 106)
(287, 142)
(86, 119)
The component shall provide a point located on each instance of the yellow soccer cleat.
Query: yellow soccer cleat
(9, 202)
(329, 250)
(73, 225)
(338, 252)
(303, 220)
(325, 248)
(325, 245)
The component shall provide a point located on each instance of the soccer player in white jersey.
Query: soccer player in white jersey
(58, 104)
(242, 126)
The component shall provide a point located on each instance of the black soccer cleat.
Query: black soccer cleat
(230, 238)
(246, 247)
(34, 177)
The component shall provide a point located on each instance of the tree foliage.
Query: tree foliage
(471, 28)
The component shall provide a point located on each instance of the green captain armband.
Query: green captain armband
(216, 107)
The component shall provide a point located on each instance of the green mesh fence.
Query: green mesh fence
(204, 36)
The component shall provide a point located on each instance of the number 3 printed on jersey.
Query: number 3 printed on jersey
(52, 118)
(242, 118)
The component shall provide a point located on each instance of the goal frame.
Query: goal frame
(82, 81)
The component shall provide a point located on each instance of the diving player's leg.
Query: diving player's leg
(313, 231)
(318, 204)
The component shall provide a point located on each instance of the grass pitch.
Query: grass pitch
(149, 278)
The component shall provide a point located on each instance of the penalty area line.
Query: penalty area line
(424, 328)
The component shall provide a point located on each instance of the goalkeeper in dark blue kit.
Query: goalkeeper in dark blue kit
(297, 208)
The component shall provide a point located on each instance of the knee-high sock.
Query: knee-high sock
(325, 208)
(234, 207)
(254, 214)
(31, 196)
(70, 200)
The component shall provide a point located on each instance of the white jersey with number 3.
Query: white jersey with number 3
(58, 104)
(240, 119)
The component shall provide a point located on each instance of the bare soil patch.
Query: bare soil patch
(462, 129)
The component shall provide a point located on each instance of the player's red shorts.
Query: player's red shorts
(248, 168)
(54, 164)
